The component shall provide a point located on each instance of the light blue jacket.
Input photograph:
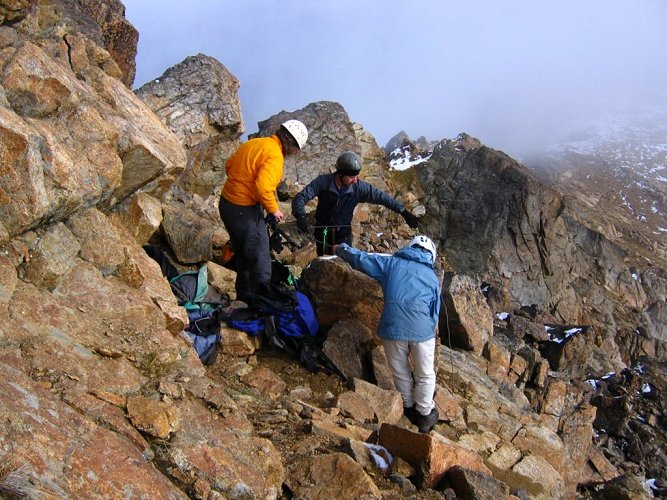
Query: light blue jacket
(411, 290)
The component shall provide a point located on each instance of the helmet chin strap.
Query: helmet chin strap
(339, 180)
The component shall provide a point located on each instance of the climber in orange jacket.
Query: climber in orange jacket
(253, 174)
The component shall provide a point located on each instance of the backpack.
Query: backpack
(280, 314)
(292, 311)
(287, 318)
(202, 302)
(247, 320)
(204, 306)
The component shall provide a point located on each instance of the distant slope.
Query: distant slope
(615, 173)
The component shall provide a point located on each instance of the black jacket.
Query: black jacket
(336, 207)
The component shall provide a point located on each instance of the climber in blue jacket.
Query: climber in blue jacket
(338, 194)
(409, 318)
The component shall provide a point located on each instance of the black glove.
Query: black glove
(302, 224)
(410, 219)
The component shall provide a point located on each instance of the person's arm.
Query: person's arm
(372, 264)
(312, 190)
(370, 194)
(268, 177)
(309, 192)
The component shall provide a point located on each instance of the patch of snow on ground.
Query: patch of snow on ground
(406, 162)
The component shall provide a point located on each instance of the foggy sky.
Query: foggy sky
(515, 74)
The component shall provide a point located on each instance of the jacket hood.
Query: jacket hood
(415, 254)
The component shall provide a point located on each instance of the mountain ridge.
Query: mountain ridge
(614, 173)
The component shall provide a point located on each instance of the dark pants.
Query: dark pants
(326, 238)
(250, 241)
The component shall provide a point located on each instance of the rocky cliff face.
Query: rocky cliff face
(88, 321)
(98, 385)
(75, 136)
(496, 221)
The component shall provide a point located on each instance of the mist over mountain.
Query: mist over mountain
(516, 78)
(616, 164)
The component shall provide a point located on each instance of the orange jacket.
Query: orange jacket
(254, 172)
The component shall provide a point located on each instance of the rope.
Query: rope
(325, 233)
(330, 226)
(449, 342)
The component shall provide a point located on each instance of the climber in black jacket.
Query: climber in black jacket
(337, 196)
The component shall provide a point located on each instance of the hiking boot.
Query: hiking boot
(411, 414)
(426, 422)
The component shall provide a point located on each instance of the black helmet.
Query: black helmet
(348, 163)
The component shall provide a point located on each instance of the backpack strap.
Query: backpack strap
(202, 284)
(274, 339)
(313, 358)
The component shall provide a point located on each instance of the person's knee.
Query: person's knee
(424, 377)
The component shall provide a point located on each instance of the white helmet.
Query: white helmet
(426, 243)
(298, 131)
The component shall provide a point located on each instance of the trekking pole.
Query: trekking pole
(288, 239)
(272, 222)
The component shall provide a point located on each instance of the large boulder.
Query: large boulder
(73, 143)
(349, 345)
(339, 292)
(78, 33)
(197, 99)
(329, 475)
(467, 316)
(330, 132)
(120, 38)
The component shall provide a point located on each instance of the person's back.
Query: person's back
(253, 173)
(409, 319)
(411, 291)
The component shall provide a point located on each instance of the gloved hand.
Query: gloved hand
(410, 219)
(302, 224)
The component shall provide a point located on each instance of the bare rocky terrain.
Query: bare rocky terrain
(551, 372)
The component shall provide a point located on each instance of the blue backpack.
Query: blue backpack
(293, 314)
(247, 320)
(288, 320)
